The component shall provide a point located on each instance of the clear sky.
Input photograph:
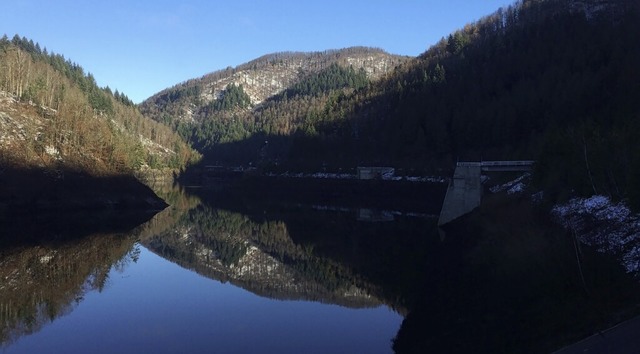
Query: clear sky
(143, 46)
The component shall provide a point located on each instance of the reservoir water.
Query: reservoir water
(156, 306)
(221, 274)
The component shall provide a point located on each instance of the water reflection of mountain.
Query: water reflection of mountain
(258, 256)
(505, 279)
(44, 282)
(48, 262)
(282, 252)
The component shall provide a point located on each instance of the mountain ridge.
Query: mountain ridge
(263, 77)
(551, 81)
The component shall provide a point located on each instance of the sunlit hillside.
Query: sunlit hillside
(54, 116)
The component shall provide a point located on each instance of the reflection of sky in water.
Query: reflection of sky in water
(155, 306)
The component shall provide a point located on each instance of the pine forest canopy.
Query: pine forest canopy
(66, 120)
(278, 89)
(554, 81)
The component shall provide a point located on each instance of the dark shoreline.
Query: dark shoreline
(23, 192)
(404, 196)
(38, 207)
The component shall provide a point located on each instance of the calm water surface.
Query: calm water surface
(221, 274)
(195, 279)
(156, 306)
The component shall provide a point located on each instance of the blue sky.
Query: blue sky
(143, 46)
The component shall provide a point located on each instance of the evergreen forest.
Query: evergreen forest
(61, 119)
(552, 81)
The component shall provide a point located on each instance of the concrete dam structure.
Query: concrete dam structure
(465, 189)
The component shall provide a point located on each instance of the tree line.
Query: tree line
(552, 81)
(90, 127)
(544, 80)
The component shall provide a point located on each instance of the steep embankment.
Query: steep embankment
(63, 139)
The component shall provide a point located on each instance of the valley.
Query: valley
(247, 180)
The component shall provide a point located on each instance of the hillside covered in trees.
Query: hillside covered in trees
(67, 144)
(552, 81)
(54, 116)
(277, 94)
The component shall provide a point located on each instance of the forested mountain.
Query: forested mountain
(275, 94)
(554, 81)
(54, 116)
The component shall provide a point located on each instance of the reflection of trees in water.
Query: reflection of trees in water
(258, 256)
(43, 283)
(392, 257)
(175, 195)
(330, 251)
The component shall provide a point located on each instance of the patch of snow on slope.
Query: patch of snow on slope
(328, 175)
(53, 152)
(512, 187)
(608, 226)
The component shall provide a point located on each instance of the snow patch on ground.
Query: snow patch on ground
(327, 175)
(609, 227)
(322, 175)
(154, 147)
(53, 152)
(597, 221)
(518, 185)
(432, 179)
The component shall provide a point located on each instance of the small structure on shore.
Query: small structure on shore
(465, 189)
(375, 172)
